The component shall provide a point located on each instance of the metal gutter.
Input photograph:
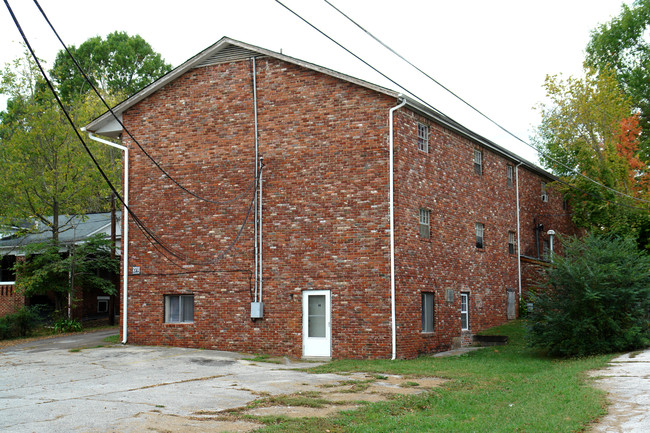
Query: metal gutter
(125, 231)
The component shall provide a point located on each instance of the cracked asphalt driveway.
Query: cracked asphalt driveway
(46, 387)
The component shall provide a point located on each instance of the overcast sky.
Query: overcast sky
(494, 54)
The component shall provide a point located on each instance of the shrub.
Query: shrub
(596, 299)
(19, 324)
(67, 325)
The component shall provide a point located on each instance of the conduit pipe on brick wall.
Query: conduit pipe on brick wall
(255, 199)
(258, 198)
(125, 229)
(392, 225)
(518, 230)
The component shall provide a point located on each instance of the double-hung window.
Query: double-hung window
(464, 311)
(479, 235)
(544, 193)
(425, 225)
(423, 137)
(478, 161)
(179, 308)
(512, 240)
(427, 311)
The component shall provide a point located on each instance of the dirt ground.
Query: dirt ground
(332, 397)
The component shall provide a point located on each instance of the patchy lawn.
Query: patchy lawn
(498, 389)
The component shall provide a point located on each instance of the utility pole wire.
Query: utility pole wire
(468, 104)
(146, 231)
(80, 69)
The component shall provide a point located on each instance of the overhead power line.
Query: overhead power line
(158, 166)
(457, 97)
(151, 236)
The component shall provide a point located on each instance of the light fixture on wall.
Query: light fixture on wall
(551, 234)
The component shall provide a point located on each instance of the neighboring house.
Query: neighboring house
(321, 284)
(76, 231)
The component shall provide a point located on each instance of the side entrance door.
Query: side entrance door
(316, 323)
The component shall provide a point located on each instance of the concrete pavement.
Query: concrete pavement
(49, 386)
(45, 387)
(627, 380)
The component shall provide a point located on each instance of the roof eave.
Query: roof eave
(448, 122)
(107, 125)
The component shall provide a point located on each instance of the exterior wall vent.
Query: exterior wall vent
(230, 53)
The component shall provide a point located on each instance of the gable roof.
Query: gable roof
(224, 51)
(230, 50)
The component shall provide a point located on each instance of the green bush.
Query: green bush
(596, 299)
(67, 325)
(19, 324)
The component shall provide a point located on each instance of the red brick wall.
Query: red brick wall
(443, 181)
(325, 208)
(552, 215)
(325, 147)
(10, 302)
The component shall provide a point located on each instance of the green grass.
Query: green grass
(496, 389)
(113, 339)
(263, 358)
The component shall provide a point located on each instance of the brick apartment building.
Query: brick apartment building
(319, 283)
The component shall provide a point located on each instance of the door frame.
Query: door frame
(328, 323)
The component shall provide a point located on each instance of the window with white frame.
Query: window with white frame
(7, 272)
(427, 311)
(544, 193)
(512, 242)
(423, 137)
(510, 170)
(425, 226)
(102, 304)
(179, 308)
(479, 235)
(464, 311)
(478, 161)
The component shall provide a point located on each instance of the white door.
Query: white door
(316, 323)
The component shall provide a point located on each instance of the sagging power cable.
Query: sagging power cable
(152, 237)
(463, 101)
(158, 166)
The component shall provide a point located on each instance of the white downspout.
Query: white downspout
(392, 227)
(518, 231)
(125, 229)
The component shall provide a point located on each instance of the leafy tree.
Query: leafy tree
(119, 64)
(50, 267)
(621, 45)
(589, 128)
(596, 299)
(44, 170)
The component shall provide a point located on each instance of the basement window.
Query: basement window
(423, 137)
(425, 226)
(427, 311)
(478, 161)
(179, 308)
